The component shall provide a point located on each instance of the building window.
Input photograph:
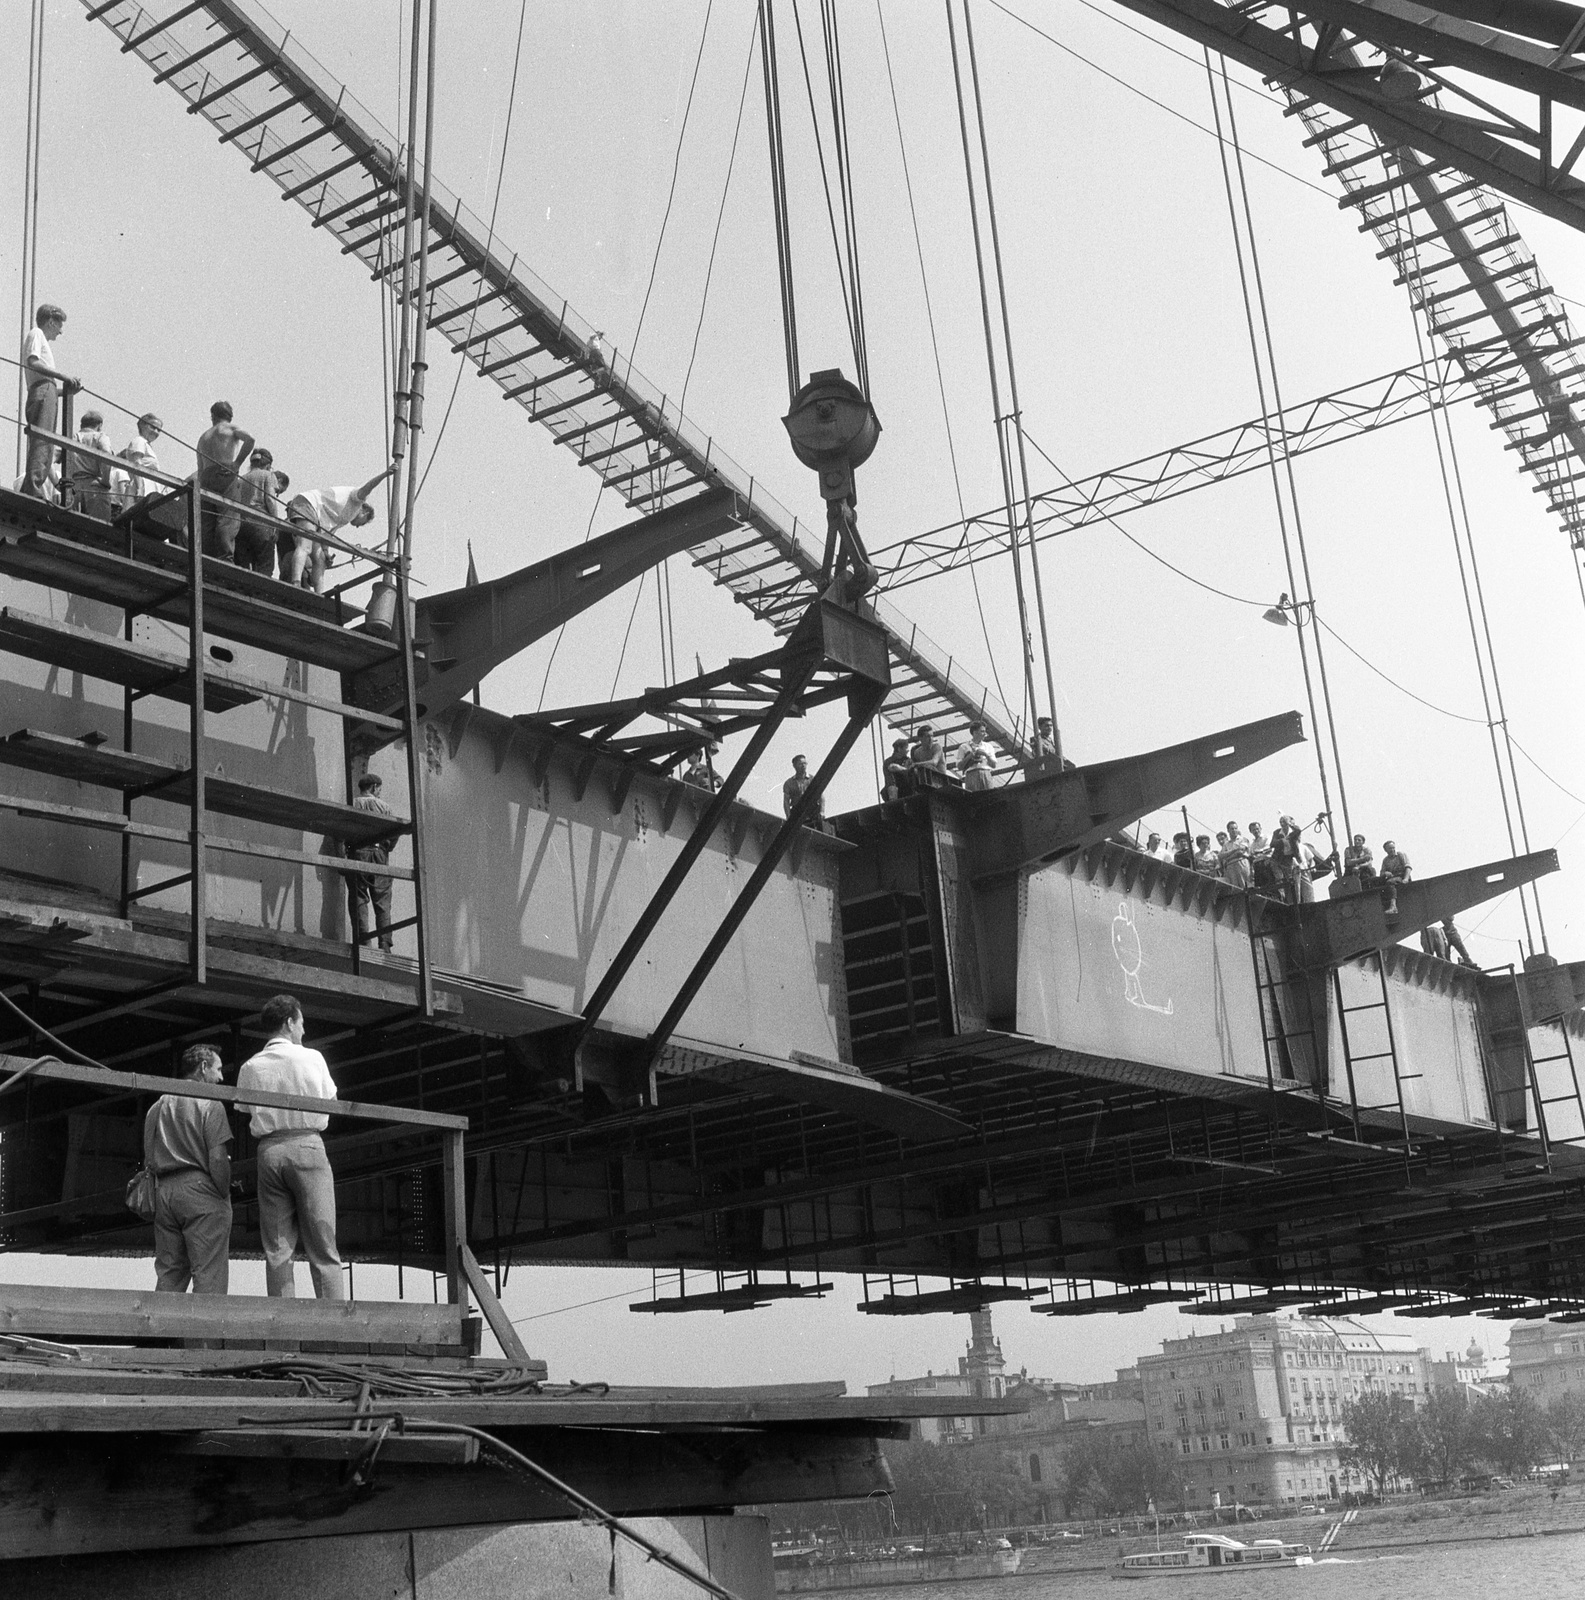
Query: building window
(1186, 1446)
(1034, 1469)
(1225, 1444)
(1205, 1444)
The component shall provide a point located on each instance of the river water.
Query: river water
(1493, 1569)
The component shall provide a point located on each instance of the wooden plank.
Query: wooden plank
(143, 1083)
(63, 1496)
(136, 666)
(323, 1444)
(32, 1413)
(123, 770)
(494, 1311)
(61, 563)
(123, 1314)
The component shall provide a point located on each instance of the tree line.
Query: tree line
(1453, 1434)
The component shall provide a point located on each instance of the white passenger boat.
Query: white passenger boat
(1214, 1552)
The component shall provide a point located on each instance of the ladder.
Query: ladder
(1533, 1071)
(1376, 961)
(1274, 996)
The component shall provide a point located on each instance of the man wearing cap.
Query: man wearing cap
(898, 772)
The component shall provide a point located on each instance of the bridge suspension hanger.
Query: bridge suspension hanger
(1009, 425)
(1263, 353)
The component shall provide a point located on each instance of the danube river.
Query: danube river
(1490, 1569)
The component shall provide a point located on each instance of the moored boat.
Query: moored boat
(1213, 1552)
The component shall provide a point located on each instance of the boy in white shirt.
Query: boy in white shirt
(44, 385)
(297, 1191)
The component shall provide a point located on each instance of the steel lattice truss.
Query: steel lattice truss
(294, 123)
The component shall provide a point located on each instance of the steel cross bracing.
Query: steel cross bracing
(270, 99)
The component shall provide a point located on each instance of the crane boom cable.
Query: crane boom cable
(935, 343)
(1287, 462)
(843, 161)
(1441, 422)
(825, 184)
(1302, 596)
(1017, 416)
(990, 362)
(778, 189)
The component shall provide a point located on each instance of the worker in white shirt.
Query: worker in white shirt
(185, 1143)
(322, 511)
(297, 1190)
(44, 384)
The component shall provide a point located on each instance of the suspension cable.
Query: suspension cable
(996, 400)
(1305, 595)
(1017, 418)
(935, 346)
(844, 166)
(1442, 422)
(778, 190)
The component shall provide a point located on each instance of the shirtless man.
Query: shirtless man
(222, 449)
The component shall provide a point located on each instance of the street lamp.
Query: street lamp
(833, 429)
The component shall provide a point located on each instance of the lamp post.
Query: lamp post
(834, 429)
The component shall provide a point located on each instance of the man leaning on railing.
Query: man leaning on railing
(44, 384)
(185, 1143)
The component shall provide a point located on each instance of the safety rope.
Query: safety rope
(1276, 433)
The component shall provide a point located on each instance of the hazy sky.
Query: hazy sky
(187, 279)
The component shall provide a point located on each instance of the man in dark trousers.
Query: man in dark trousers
(185, 1142)
(364, 888)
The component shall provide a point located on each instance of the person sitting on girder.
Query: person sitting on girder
(1395, 869)
(1359, 862)
(185, 1143)
(898, 772)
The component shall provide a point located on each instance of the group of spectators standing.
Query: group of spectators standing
(247, 530)
(1284, 865)
(187, 1151)
(971, 764)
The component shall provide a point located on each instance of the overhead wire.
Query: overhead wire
(935, 344)
(31, 162)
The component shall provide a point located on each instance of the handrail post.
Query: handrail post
(195, 568)
(453, 1180)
